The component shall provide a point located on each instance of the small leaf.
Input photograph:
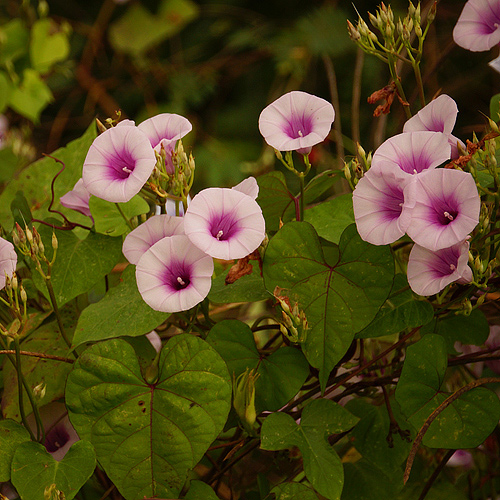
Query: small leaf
(320, 419)
(15, 38)
(198, 490)
(80, 264)
(340, 288)
(12, 435)
(281, 375)
(31, 97)
(48, 45)
(401, 310)
(466, 422)
(121, 312)
(293, 491)
(34, 470)
(108, 219)
(148, 435)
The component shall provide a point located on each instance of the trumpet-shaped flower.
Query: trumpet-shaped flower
(77, 199)
(430, 271)
(147, 234)
(439, 115)
(118, 164)
(378, 202)
(8, 260)
(412, 152)
(174, 275)
(224, 223)
(478, 27)
(444, 206)
(296, 122)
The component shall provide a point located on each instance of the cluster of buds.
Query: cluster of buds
(244, 398)
(52, 493)
(17, 299)
(293, 323)
(357, 166)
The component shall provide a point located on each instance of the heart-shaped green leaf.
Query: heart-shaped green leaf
(466, 422)
(340, 288)
(281, 374)
(12, 435)
(320, 419)
(148, 435)
(122, 311)
(34, 470)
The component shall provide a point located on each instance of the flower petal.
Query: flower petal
(8, 260)
(77, 199)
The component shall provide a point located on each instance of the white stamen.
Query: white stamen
(415, 171)
(448, 215)
(452, 267)
(401, 204)
(219, 234)
(127, 170)
(181, 281)
(300, 133)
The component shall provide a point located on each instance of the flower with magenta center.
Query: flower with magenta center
(147, 234)
(118, 164)
(439, 115)
(444, 206)
(296, 122)
(478, 27)
(8, 260)
(224, 223)
(412, 152)
(378, 202)
(174, 275)
(430, 271)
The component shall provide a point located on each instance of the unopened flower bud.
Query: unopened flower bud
(418, 30)
(55, 243)
(15, 239)
(353, 32)
(374, 20)
(347, 171)
(23, 294)
(39, 390)
(432, 13)
(244, 397)
(14, 283)
(29, 234)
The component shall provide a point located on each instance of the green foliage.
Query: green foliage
(280, 375)
(340, 288)
(466, 422)
(33, 461)
(149, 434)
(121, 312)
(47, 46)
(200, 491)
(320, 419)
(12, 435)
(293, 491)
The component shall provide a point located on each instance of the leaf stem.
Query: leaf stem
(127, 220)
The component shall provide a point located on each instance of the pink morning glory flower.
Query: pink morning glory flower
(174, 275)
(461, 458)
(77, 199)
(439, 115)
(118, 164)
(478, 27)
(224, 223)
(430, 271)
(378, 203)
(147, 234)
(8, 260)
(412, 152)
(296, 122)
(444, 206)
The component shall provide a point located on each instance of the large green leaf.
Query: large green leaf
(121, 312)
(281, 375)
(35, 180)
(466, 423)
(147, 435)
(331, 217)
(52, 374)
(12, 435)
(79, 264)
(340, 288)
(320, 419)
(108, 219)
(34, 470)
(401, 310)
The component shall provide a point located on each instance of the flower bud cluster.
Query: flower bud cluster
(293, 323)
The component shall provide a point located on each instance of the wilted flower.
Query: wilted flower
(118, 164)
(174, 275)
(430, 271)
(412, 152)
(224, 223)
(296, 122)
(378, 202)
(439, 115)
(147, 234)
(8, 260)
(478, 27)
(444, 206)
(77, 199)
